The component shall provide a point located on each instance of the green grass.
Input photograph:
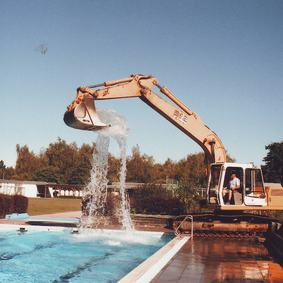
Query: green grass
(38, 206)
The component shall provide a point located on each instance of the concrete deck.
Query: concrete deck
(64, 215)
(71, 214)
(213, 260)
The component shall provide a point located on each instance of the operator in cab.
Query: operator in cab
(234, 184)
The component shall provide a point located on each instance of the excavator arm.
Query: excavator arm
(81, 113)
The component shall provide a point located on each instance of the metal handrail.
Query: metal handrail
(177, 233)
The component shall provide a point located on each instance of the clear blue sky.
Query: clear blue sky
(223, 59)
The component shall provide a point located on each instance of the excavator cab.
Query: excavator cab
(251, 191)
(83, 116)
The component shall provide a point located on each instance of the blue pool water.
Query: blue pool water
(91, 256)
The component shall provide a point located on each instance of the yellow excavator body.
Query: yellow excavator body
(81, 114)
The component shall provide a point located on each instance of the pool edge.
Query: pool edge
(147, 270)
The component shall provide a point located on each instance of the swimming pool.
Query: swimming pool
(58, 255)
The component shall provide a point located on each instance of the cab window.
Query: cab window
(254, 183)
(213, 184)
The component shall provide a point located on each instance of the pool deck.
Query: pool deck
(214, 260)
(72, 219)
(207, 260)
(67, 215)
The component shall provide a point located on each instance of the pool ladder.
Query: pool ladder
(177, 232)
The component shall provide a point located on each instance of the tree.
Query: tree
(139, 167)
(80, 173)
(189, 197)
(273, 168)
(26, 164)
(163, 171)
(159, 174)
(150, 190)
(48, 174)
(229, 158)
(114, 167)
(73, 164)
(67, 163)
(197, 169)
(9, 173)
(2, 168)
(59, 163)
(62, 156)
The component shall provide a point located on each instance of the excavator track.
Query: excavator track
(244, 226)
(237, 235)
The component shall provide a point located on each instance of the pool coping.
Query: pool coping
(36, 228)
(148, 269)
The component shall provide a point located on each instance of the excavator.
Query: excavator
(251, 193)
(234, 208)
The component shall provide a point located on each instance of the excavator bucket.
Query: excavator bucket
(84, 117)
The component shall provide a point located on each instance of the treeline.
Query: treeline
(273, 168)
(64, 163)
(60, 163)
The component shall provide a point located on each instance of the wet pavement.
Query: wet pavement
(213, 260)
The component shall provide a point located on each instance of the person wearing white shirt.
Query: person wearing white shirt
(234, 184)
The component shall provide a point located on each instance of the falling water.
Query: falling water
(96, 191)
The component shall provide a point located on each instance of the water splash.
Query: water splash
(95, 193)
(124, 212)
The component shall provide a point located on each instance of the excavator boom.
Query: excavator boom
(81, 113)
(251, 193)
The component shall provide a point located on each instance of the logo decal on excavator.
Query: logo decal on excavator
(180, 116)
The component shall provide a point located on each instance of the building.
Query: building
(38, 189)
(46, 190)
